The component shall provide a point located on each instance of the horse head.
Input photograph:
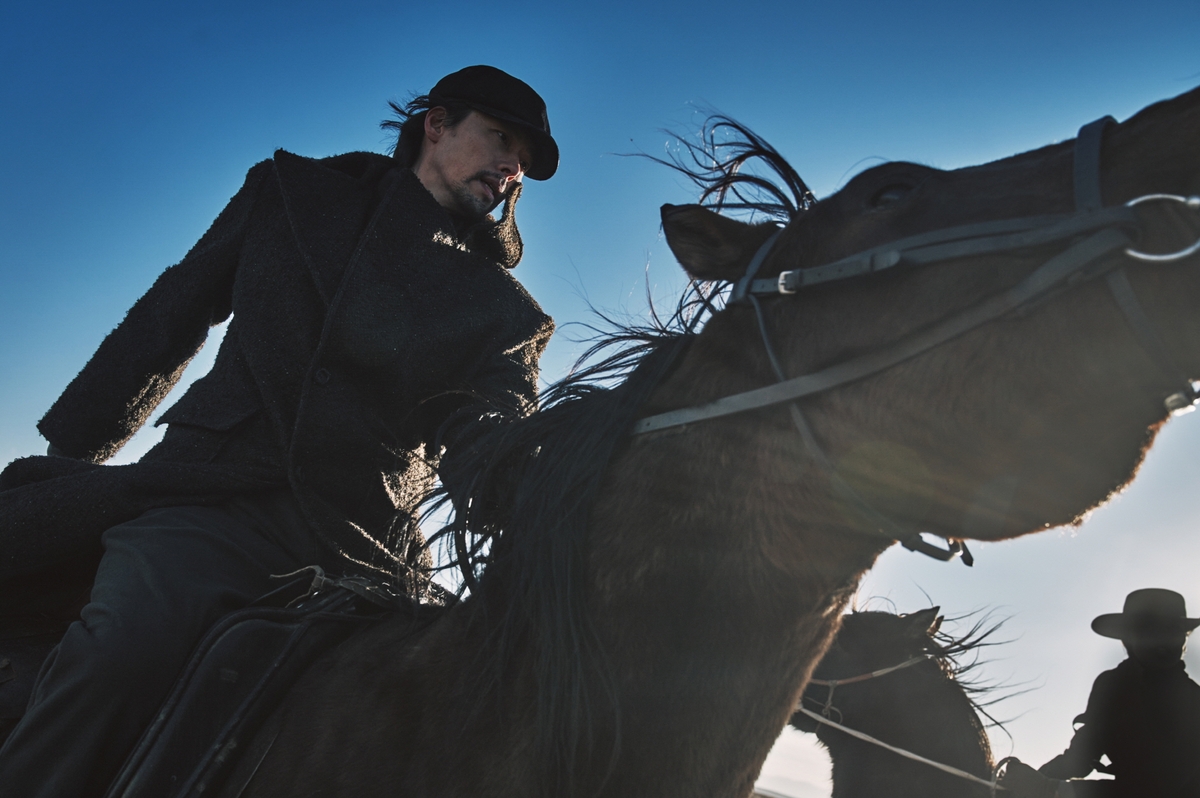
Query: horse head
(1021, 422)
(894, 678)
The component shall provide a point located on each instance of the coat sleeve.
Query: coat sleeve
(1087, 746)
(139, 362)
(503, 390)
(507, 382)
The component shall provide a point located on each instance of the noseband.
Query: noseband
(833, 684)
(1093, 233)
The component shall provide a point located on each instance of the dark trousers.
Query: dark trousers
(164, 579)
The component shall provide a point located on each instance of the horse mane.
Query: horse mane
(958, 655)
(522, 491)
(519, 530)
(716, 162)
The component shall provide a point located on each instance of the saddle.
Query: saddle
(203, 740)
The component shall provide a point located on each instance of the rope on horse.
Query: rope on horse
(863, 677)
(953, 771)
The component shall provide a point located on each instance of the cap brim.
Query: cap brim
(545, 149)
(1120, 626)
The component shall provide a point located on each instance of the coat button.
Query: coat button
(322, 376)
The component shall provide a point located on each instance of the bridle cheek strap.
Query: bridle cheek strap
(1088, 198)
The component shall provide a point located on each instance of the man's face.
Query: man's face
(470, 167)
(1156, 649)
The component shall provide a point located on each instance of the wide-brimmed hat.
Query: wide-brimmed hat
(496, 93)
(1150, 611)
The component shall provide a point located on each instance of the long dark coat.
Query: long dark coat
(362, 321)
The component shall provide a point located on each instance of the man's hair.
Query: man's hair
(409, 124)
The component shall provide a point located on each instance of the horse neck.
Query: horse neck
(740, 497)
(924, 712)
(709, 559)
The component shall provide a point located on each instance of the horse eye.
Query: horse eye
(890, 195)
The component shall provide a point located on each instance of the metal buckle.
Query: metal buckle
(783, 289)
(954, 549)
(1193, 203)
(1182, 402)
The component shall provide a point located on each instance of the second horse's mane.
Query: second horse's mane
(958, 657)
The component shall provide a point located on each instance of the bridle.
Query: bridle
(832, 684)
(1092, 232)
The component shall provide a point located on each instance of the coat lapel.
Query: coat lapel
(403, 292)
(327, 202)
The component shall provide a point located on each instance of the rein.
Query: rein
(962, 774)
(1095, 232)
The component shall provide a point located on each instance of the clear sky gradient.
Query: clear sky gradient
(126, 126)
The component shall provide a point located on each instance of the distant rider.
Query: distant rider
(1144, 714)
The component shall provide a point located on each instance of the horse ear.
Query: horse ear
(924, 623)
(708, 245)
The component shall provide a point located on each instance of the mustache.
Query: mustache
(498, 180)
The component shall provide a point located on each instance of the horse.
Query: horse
(897, 679)
(648, 599)
(653, 604)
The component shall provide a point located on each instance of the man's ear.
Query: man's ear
(435, 123)
(708, 245)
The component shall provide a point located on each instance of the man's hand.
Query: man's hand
(1022, 781)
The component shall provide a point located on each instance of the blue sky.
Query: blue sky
(127, 125)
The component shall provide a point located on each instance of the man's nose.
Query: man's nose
(510, 167)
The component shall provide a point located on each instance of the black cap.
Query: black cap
(496, 93)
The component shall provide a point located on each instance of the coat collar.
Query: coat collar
(330, 204)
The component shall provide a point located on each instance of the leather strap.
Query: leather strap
(1087, 165)
(1149, 339)
(756, 262)
(1043, 279)
(983, 238)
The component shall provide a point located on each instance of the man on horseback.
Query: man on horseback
(1144, 714)
(375, 326)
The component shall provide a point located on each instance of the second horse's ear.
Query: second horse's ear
(708, 245)
(924, 623)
